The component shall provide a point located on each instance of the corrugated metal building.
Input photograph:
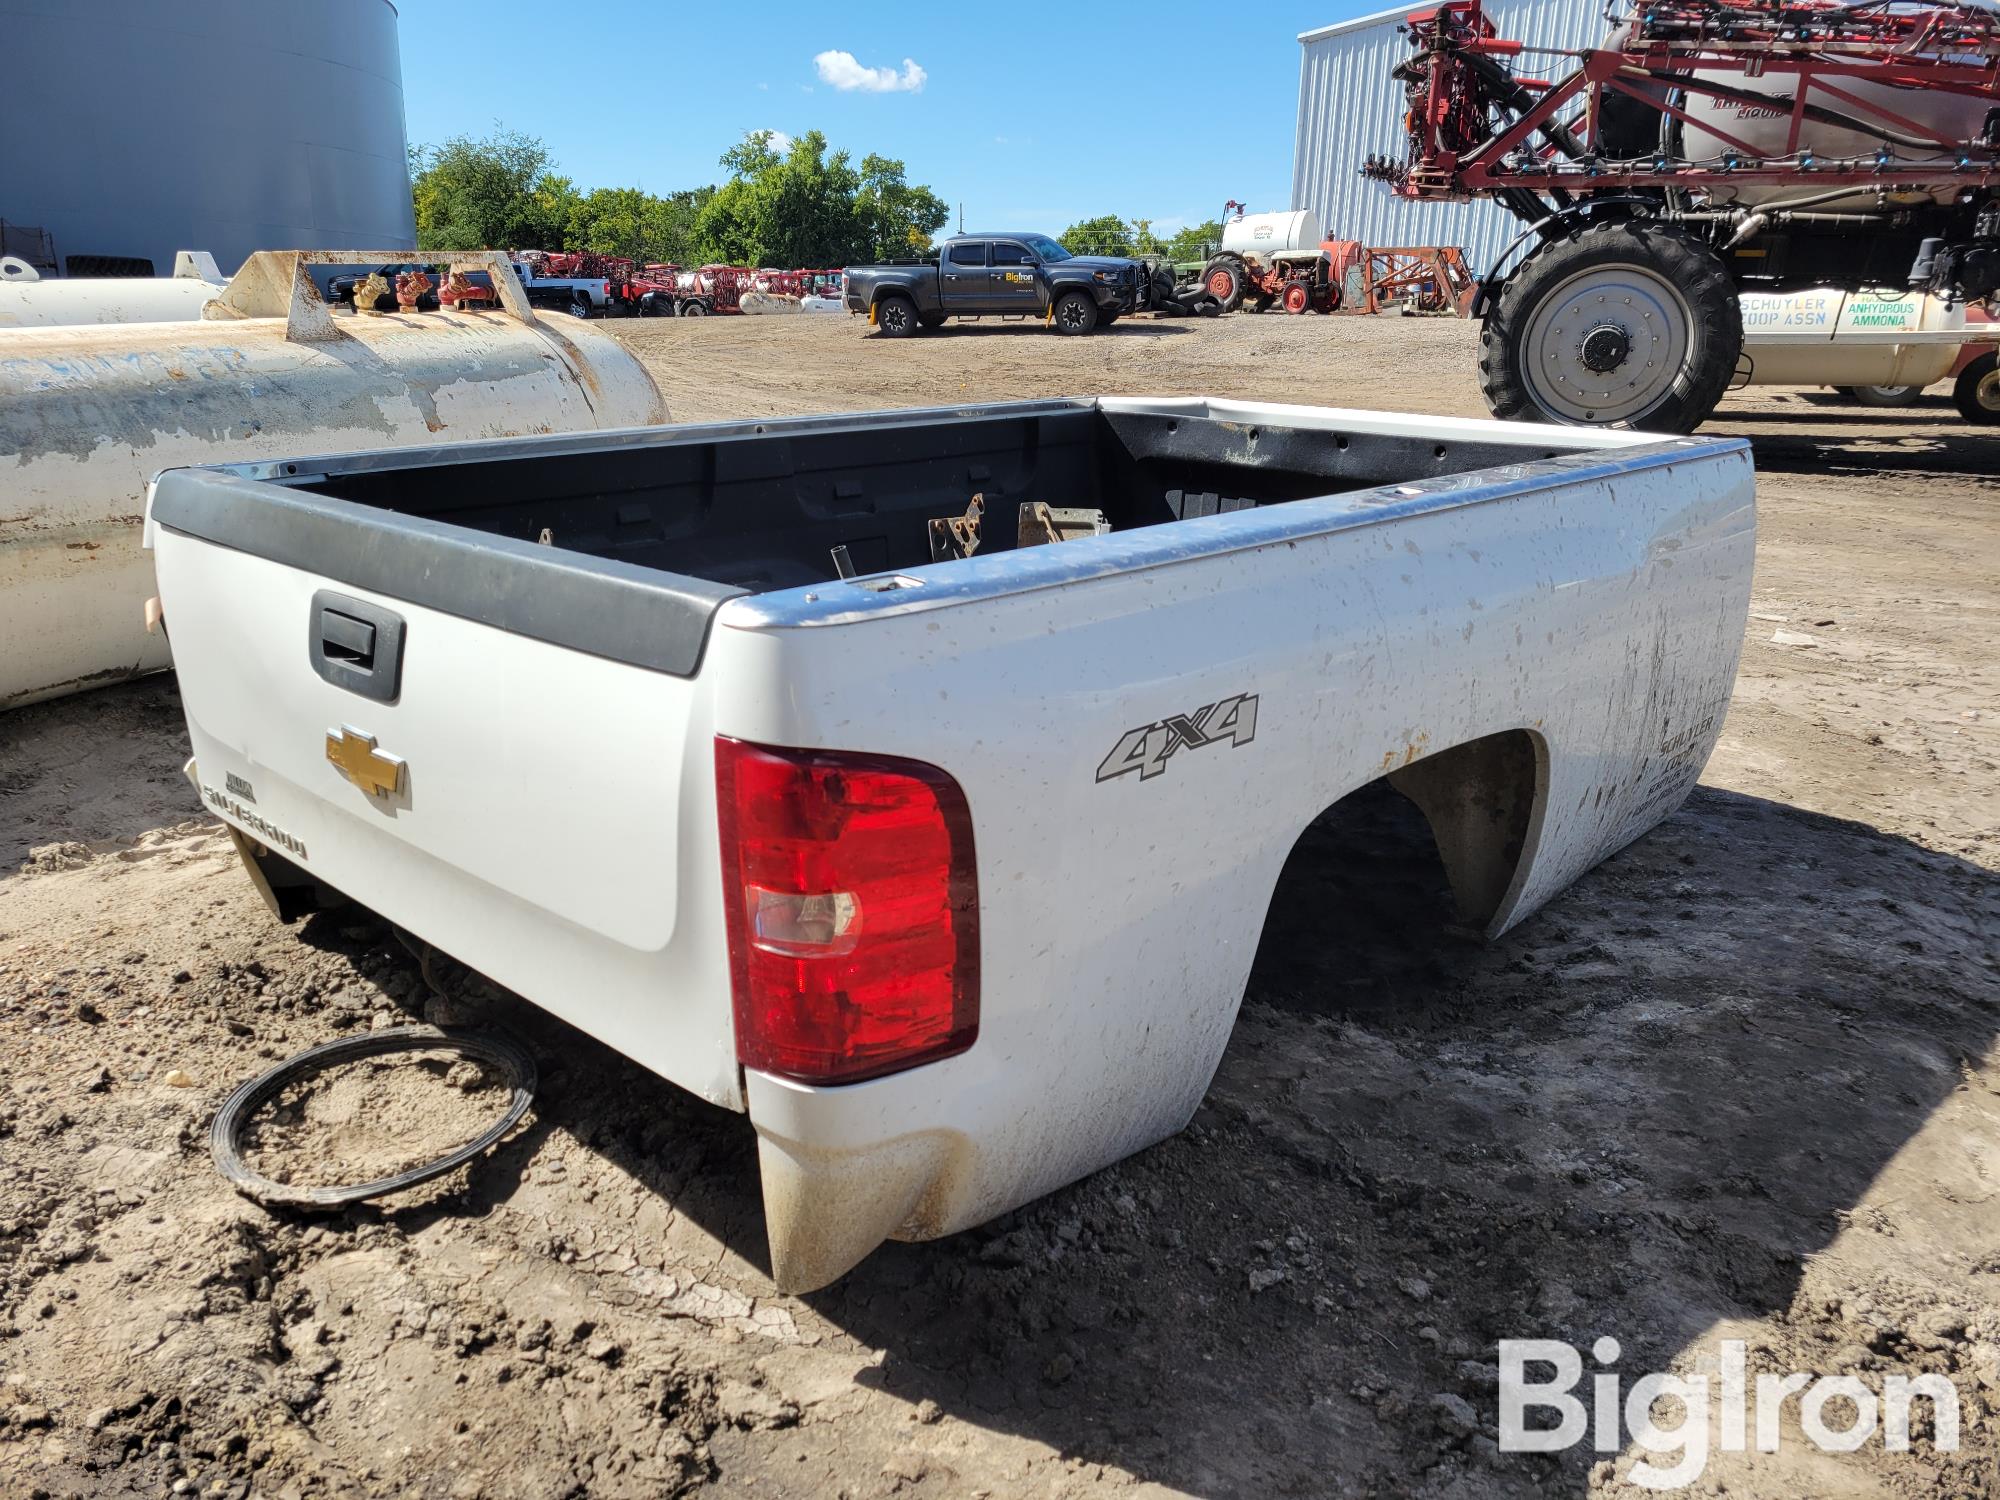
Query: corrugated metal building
(135, 128)
(1349, 106)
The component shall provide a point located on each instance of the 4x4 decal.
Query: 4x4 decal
(1148, 748)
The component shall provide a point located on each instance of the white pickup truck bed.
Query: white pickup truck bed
(949, 874)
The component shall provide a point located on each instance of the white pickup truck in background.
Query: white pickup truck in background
(948, 872)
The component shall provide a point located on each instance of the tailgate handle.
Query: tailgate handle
(347, 639)
(356, 645)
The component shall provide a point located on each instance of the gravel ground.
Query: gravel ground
(1741, 1082)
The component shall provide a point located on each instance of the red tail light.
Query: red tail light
(853, 910)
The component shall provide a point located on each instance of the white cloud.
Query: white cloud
(845, 72)
(778, 141)
(763, 88)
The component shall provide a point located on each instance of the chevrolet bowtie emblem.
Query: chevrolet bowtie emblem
(354, 755)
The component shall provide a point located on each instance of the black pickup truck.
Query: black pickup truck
(1000, 275)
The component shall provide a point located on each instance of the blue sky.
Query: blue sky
(1146, 111)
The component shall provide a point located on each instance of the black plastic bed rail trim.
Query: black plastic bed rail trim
(624, 613)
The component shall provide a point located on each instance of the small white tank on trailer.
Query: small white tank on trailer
(30, 300)
(1270, 237)
(89, 414)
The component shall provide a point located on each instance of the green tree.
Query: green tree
(677, 213)
(810, 206)
(1144, 241)
(495, 193)
(732, 225)
(1105, 235)
(726, 228)
(895, 218)
(754, 155)
(806, 207)
(635, 224)
(610, 221)
(1195, 241)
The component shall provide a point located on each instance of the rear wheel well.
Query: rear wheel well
(1434, 847)
(1480, 799)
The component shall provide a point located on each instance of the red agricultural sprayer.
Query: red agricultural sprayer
(1701, 151)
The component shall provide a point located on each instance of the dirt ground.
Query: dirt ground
(1743, 1081)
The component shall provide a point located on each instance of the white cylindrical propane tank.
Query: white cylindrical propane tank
(28, 300)
(1267, 237)
(89, 414)
(1824, 336)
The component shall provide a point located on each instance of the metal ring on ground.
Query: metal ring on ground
(511, 1060)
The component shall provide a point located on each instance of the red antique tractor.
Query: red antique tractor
(1704, 149)
(1283, 260)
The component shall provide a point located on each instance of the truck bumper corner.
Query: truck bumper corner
(826, 1210)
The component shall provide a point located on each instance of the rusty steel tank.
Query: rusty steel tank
(88, 414)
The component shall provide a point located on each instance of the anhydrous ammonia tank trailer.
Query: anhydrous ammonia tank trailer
(89, 414)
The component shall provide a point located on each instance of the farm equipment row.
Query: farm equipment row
(1266, 260)
(590, 285)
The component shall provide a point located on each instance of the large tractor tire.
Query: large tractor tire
(1977, 392)
(1226, 281)
(1629, 324)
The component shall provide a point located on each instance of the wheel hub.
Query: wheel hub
(1988, 390)
(1606, 345)
(1605, 348)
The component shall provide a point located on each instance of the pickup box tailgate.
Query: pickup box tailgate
(414, 714)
